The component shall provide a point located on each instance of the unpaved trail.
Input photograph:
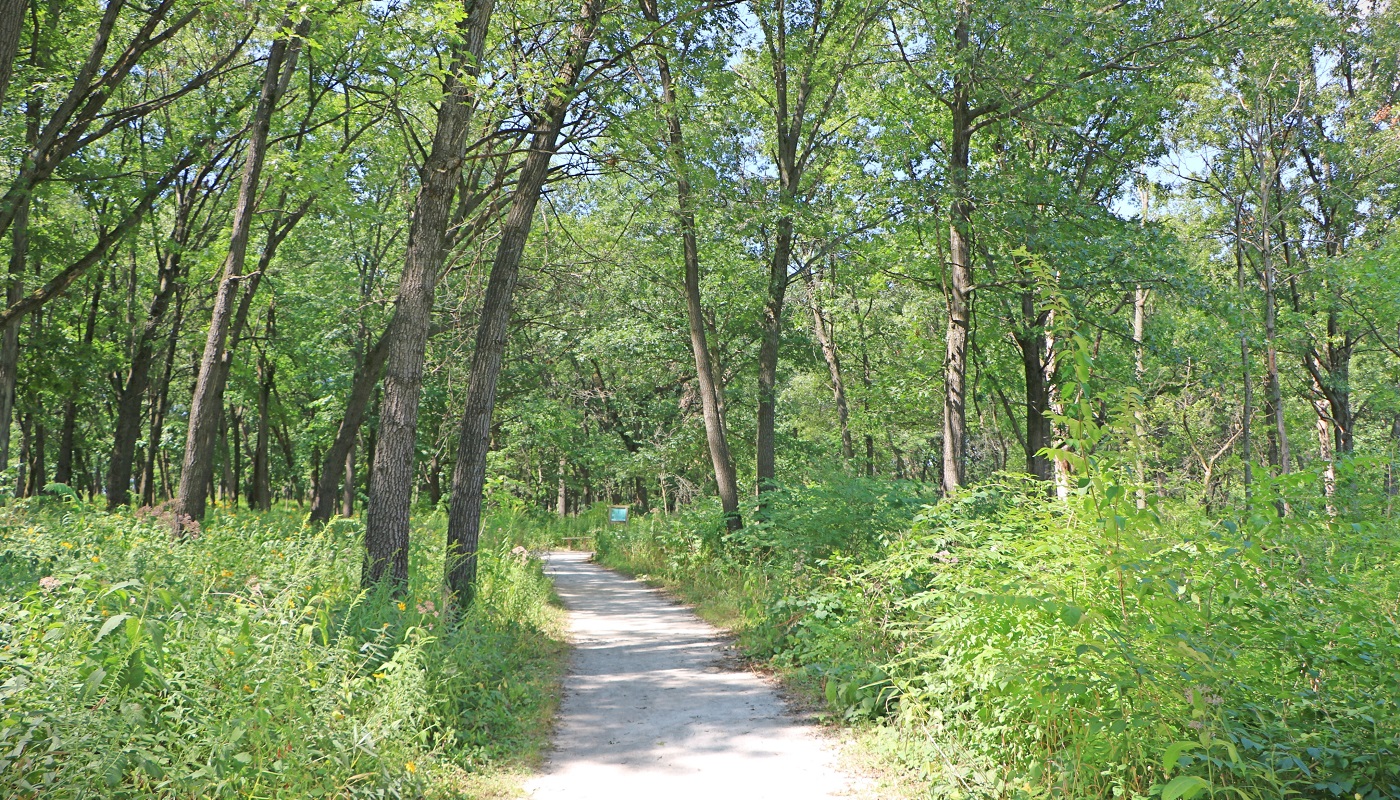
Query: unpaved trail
(651, 712)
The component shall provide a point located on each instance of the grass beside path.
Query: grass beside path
(1000, 645)
(246, 662)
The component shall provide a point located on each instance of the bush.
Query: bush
(246, 662)
(1029, 647)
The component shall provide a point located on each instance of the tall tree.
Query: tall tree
(810, 52)
(469, 474)
(716, 438)
(391, 475)
(206, 403)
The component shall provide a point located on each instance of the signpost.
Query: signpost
(617, 514)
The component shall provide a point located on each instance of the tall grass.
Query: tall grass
(1023, 647)
(246, 662)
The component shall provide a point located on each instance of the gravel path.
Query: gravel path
(651, 710)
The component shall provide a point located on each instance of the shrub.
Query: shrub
(246, 662)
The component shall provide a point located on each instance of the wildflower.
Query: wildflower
(411, 767)
(66, 545)
(379, 675)
(403, 606)
(247, 688)
(228, 573)
(48, 583)
(96, 560)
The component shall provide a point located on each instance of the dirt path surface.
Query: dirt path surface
(652, 711)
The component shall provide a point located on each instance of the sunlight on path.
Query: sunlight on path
(651, 712)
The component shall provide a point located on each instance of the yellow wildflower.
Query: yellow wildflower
(96, 560)
(66, 545)
(411, 767)
(403, 607)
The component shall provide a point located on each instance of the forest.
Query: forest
(1019, 381)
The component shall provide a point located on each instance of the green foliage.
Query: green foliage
(246, 662)
(1027, 647)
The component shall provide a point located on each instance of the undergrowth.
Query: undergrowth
(1019, 646)
(245, 661)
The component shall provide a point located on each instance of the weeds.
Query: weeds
(246, 662)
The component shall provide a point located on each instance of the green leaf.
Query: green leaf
(1174, 752)
(1185, 787)
(110, 625)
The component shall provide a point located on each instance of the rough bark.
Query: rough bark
(63, 469)
(260, 490)
(469, 473)
(833, 366)
(347, 497)
(391, 473)
(11, 26)
(716, 439)
(127, 425)
(160, 406)
(1036, 363)
(208, 394)
(340, 457)
(960, 285)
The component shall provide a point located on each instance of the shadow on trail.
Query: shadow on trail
(650, 709)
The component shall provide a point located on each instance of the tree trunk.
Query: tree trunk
(63, 470)
(1246, 443)
(260, 493)
(347, 500)
(718, 443)
(960, 285)
(1139, 375)
(14, 292)
(391, 474)
(1325, 453)
(11, 26)
(207, 401)
(342, 449)
(833, 366)
(160, 406)
(128, 420)
(469, 473)
(38, 469)
(562, 498)
(1035, 357)
(771, 331)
